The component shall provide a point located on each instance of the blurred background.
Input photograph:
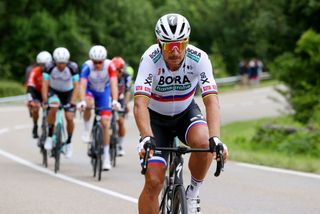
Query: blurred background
(283, 35)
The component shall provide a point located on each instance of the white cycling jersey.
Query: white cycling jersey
(172, 92)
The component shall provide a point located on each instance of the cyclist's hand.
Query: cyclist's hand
(82, 105)
(116, 105)
(70, 107)
(45, 104)
(217, 141)
(143, 143)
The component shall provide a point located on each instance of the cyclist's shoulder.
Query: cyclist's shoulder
(153, 53)
(72, 65)
(195, 54)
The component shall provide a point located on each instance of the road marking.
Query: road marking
(67, 178)
(2, 131)
(285, 171)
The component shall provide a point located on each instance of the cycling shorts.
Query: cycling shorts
(61, 97)
(35, 95)
(166, 128)
(102, 101)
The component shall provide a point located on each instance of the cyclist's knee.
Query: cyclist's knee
(155, 178)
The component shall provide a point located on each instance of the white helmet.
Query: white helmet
(172, 27)
(44, 57)
(61, 55)
(98, 52)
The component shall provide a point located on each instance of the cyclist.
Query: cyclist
(164, 107)
(60, 85)
(98, 77)
(124, 86)
(34, 84)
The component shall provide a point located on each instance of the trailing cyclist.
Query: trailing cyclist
(34, 84)
(60, 86)
(124, 86)
(164, 108)
(99, 88)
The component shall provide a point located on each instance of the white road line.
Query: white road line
(67, 178)
(2, 131)
(284, 171)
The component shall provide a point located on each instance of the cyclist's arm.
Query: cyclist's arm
(212, 114)
(114, 88)
(113, 81)
(83, 87)
(75, 89)
(142, 116)
(45, 86)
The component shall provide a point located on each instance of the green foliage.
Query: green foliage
(300, 71)
(247, 142)
(10, 88)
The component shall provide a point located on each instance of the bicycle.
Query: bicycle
(43, 136)
(173, 198)
(113, 138)
(114, 135)
(95, 150)
(58, 138)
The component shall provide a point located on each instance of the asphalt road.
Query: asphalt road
(27, 187)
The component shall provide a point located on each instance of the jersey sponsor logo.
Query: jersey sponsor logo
(147, 89)
(148, 80)
(194, 55)
(139, 88)
(203, 78)
(179, 83)
(155, 55)
(206, 88)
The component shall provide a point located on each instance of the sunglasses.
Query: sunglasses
(97, 62)
(170, 46)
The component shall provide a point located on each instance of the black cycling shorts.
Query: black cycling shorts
(63, 97)
(166, 128)
(36, 95)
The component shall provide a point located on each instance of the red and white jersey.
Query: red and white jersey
(172, 92)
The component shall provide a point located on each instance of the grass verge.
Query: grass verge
(238, 138)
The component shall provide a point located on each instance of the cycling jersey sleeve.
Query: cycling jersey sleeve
(31, 79)
(47, 70)
(74, 71)
(112, 71)
(143, 83)
(85, 71)
(207, 83)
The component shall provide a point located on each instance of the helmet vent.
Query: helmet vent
(164, 30)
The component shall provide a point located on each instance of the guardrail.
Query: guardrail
(234, 79)
(220, 81)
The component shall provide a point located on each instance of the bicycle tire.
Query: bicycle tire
(42, 140)
(179, 203)
(57, 148)
(98, 149)
(113, 150)
(163, 208)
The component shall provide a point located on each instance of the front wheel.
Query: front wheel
(179, 204)
(57, 148)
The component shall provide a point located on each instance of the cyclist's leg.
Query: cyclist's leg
(195, 134)
(122, 129)
(34, 107)
(103, 102)
(65, 98)
(53, 102)
(155, 175)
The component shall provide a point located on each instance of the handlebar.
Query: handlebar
(183, 150)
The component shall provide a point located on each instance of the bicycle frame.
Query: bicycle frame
(60, 120)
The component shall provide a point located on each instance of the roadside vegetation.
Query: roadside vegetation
(11, 88)
(292, 147)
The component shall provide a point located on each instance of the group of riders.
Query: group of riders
(100, 83)
(169, 74)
